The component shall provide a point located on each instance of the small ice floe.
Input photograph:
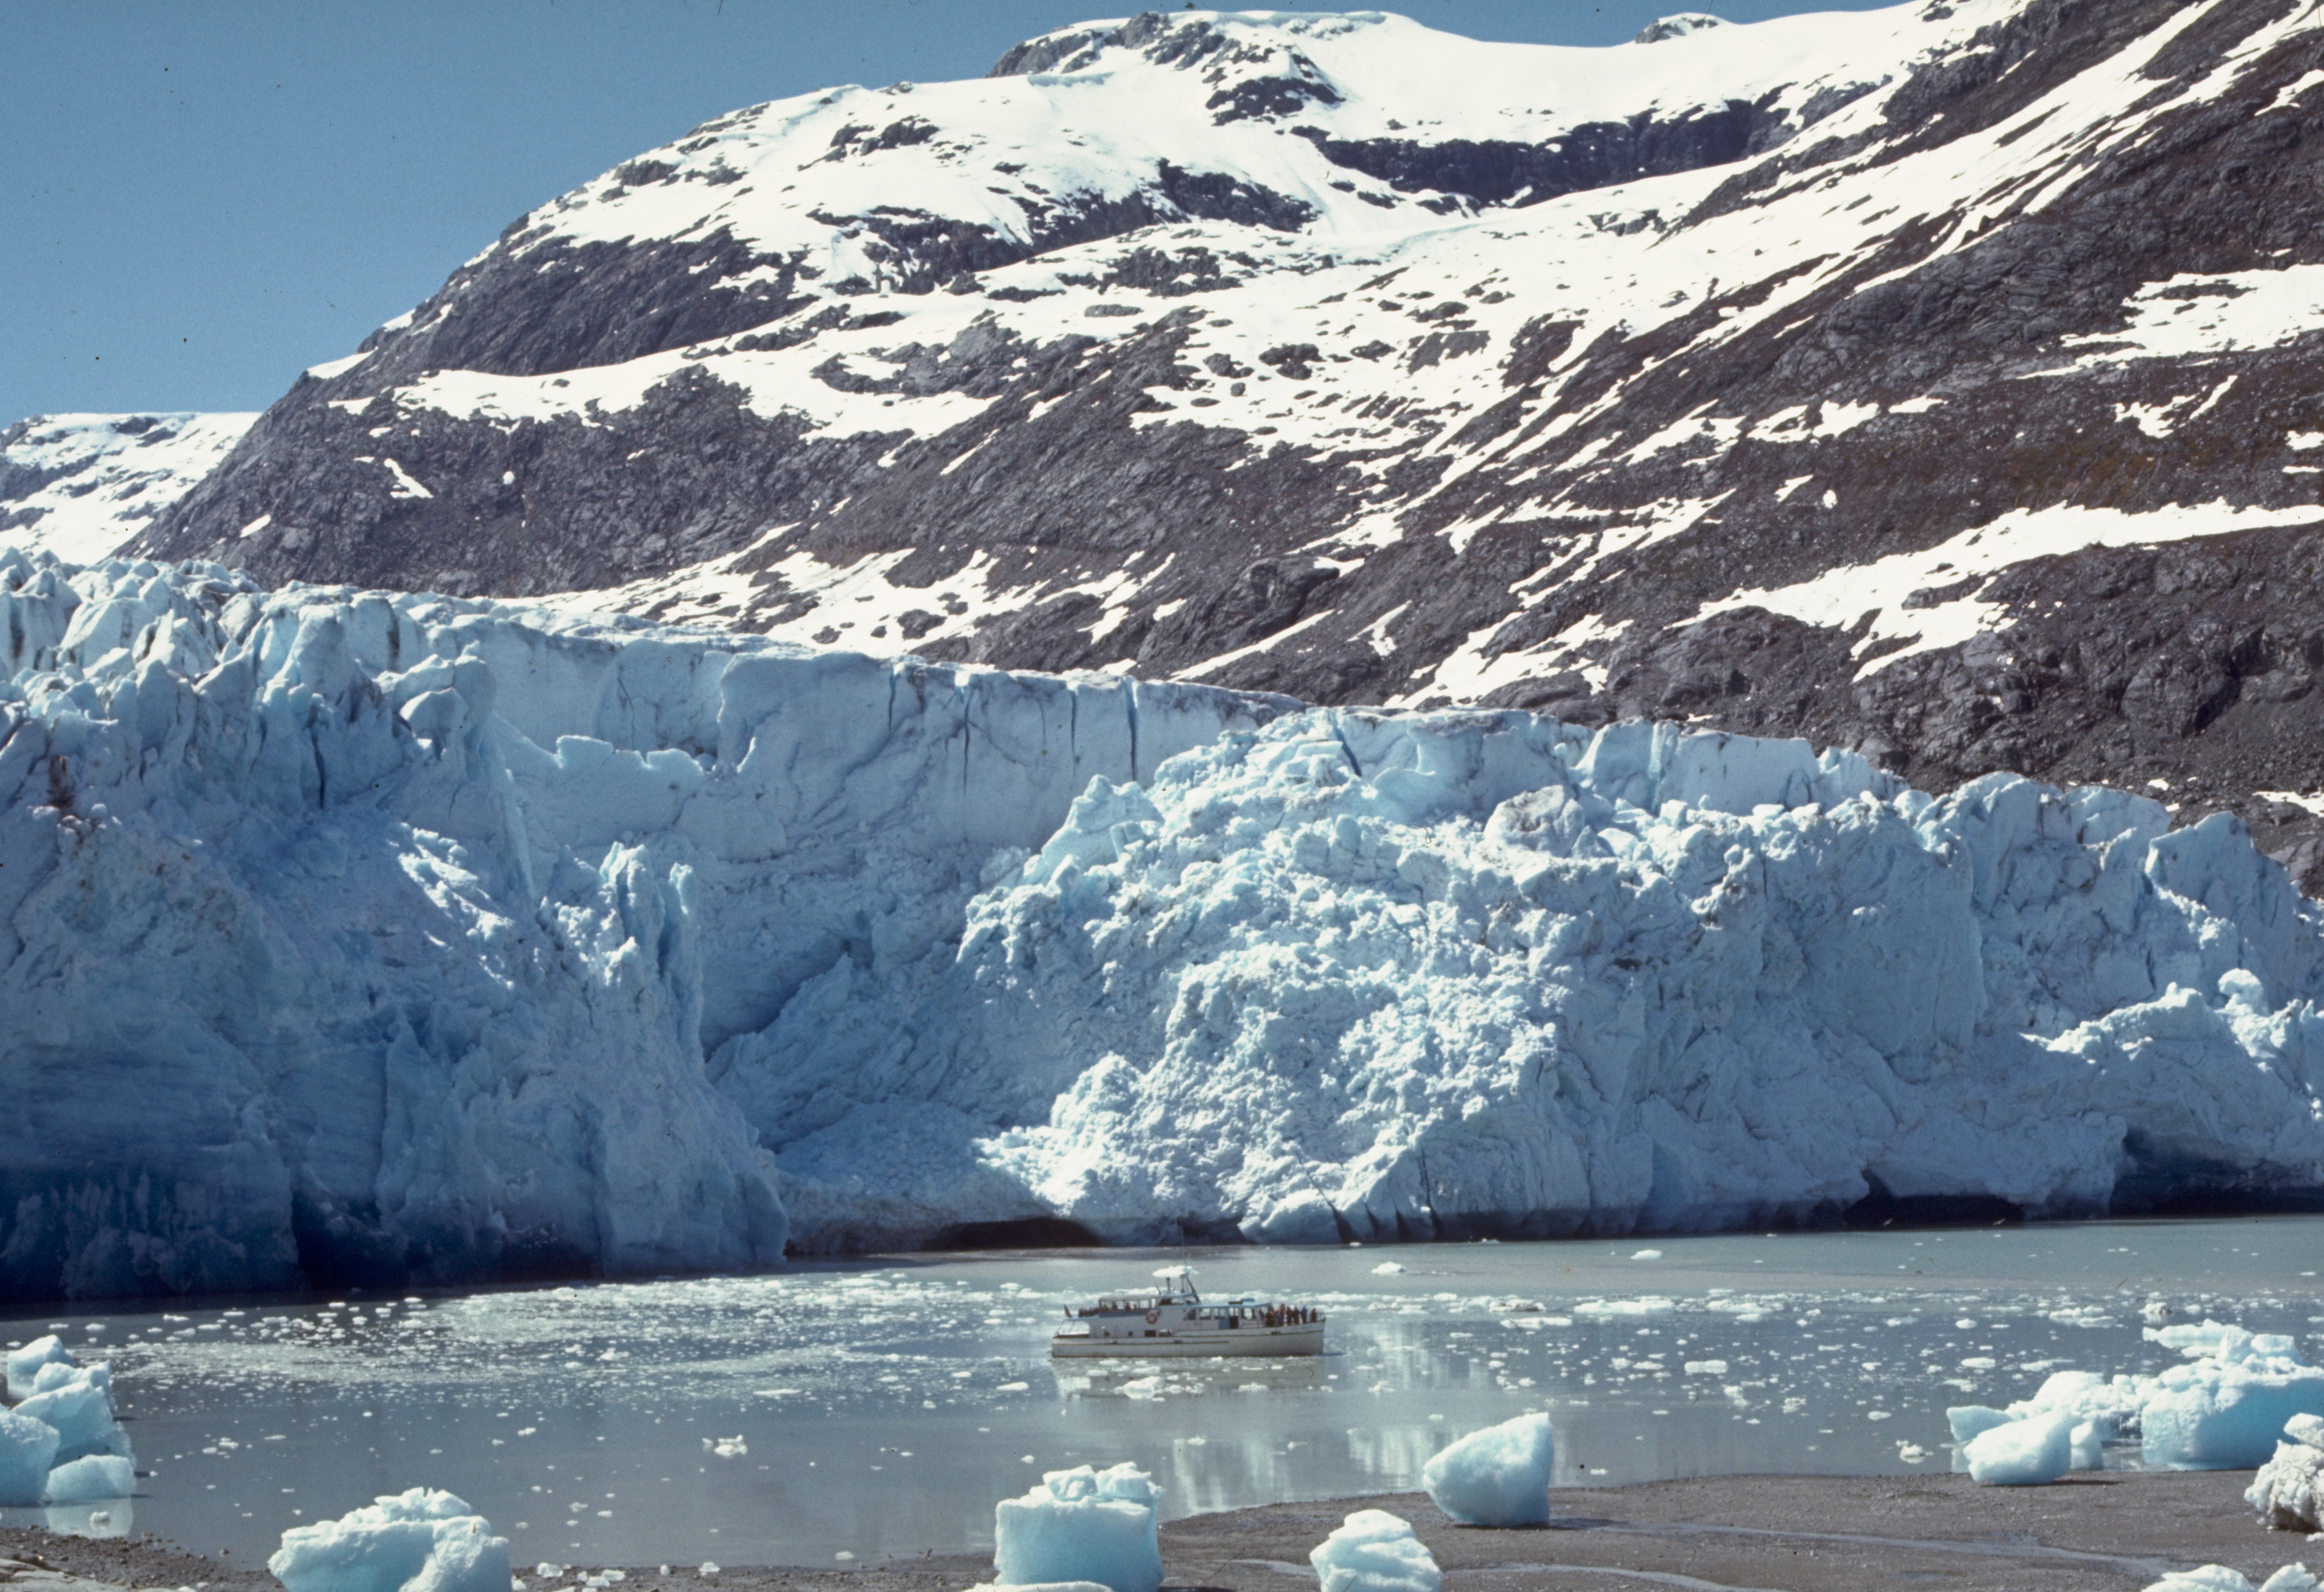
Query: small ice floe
(1498, 1476)
(424, 1539)
(1651, 1306)
(1081, 1524)
(1375, 1551)
(2219, 1577)
(62, 1445)
(27, 1449)
(2023, 1453)
(1386, 1269)
(709, 1569)
(25, 1364)
(1647, 1255)
(727, 1448)
(2289, 1490)
(89, 1478)
(1515, 1307)
(2223, 1409)
(77, 1401)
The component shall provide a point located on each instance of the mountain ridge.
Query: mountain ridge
(1265, 353)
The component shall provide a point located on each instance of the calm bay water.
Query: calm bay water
(879, 1408)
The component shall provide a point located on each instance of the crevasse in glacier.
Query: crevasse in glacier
(352, 936)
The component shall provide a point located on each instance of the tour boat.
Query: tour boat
(1176, 1322)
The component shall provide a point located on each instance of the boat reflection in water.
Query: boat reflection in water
(1174, 1321)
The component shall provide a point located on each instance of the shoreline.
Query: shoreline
(2100, 1530)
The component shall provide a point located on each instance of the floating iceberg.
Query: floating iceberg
(2031, 1452)
(1375, 1551)
(27, 1449)
(90, 1480)
(2289, 1489)
(421, 939)
(2225, 1407)
(1969, 1422)
(2111, 1406)
(77, 1400)
(26, 1364)
(1080, 1525)
(1499, 1477)
(420, 1541)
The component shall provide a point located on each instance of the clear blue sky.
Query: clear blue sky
(198, 200)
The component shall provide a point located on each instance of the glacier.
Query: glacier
(354, 936)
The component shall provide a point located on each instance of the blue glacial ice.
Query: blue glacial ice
(28, 1449)
(354, 936)
(419, 1541)
(1375, 1551)
(2023, 1453)
(26, 1364)
(2288, 1491)
(2223, 1407)
(1082, 1525)
(1499, 1477)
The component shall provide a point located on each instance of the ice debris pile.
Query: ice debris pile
(2289, 1489)
(2220, 1577)
(1498, 1476)
(61, 1444)
(1081, 1524)
(419, 1540)
(2219, 1409)
(424, 938)
(1375, 1551)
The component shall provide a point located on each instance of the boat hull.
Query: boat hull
(1235, 1341)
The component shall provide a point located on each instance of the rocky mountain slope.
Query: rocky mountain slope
(1936, 381)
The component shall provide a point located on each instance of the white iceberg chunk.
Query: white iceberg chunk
(25, 1364)
(1082, 1524)
(2223, 1409)
(77, 1401)
(1375, 1551)
(1498, 1476)
(1969, 1422)
(419, 1540)
(28, 1446)
(2110, 1405)
(2023, 1453)
(2090, 1447)
(88, 1480)
(2220, 1577)
(2289, 1489)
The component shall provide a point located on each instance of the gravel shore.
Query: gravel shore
(2104, 1532)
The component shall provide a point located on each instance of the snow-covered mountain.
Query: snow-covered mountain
(79, 485)
(1935, 381)
(355, 937)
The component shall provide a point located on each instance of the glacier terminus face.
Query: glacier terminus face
(351, 936)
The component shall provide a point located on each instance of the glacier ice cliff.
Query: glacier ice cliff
(348, 936)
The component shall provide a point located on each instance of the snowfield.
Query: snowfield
(80, 485)
(352, 935)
